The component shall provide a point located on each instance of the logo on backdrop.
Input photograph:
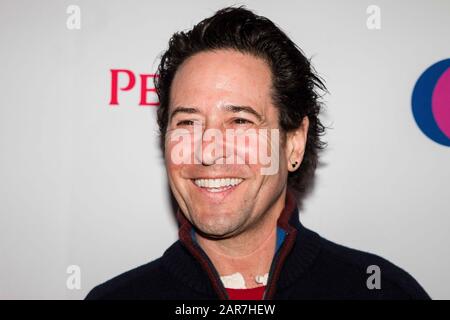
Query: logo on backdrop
(124, 80)
(431, 102)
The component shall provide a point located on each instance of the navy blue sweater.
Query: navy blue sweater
(307, 266)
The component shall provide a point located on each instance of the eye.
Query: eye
(185, 123)
(242, 121)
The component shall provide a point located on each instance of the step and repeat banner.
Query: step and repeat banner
(83, 188)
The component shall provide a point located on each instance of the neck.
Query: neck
(251, 252)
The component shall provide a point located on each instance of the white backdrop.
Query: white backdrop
(83, 183)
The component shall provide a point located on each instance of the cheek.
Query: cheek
(246, 151)
(171, 167)
(179, 149)
(257, 148)
(173, 162)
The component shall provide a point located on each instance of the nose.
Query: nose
(211, 147)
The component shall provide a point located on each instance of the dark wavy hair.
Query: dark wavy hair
(295, 87)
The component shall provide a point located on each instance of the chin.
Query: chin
(216, 226)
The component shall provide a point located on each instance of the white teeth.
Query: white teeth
(217, 183)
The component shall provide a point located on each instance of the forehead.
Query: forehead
(221, 77)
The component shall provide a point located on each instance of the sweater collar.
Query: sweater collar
(296, 255)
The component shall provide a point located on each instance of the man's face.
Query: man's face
(208, 91)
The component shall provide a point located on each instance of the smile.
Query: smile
(217, 185)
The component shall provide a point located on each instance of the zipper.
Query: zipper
(282, 254)
(210, 266)
(272, 267)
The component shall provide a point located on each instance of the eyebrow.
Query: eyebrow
(247, 109)
(228, 108)
(183, 110)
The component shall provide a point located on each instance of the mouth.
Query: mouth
(218, 185)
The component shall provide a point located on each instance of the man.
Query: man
(231, 88)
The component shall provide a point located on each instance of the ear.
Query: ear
(296, 144)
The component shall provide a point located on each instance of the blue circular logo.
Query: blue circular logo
(431, 102)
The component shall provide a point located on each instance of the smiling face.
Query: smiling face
(225, 90)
